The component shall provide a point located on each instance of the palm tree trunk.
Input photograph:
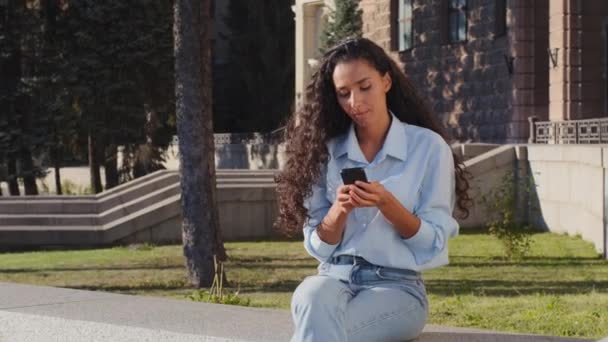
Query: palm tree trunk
(200, 227)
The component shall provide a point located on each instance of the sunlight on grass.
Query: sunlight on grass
(560, 289)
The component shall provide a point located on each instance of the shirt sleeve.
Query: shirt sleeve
(317, 206)
(435, 207)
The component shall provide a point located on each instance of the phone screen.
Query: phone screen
(350, 175)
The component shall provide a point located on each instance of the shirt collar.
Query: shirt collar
(394, 145)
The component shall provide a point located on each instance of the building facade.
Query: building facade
(485, 66)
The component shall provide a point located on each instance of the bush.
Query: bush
(501, 203)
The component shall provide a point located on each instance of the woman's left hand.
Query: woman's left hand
(371, 194)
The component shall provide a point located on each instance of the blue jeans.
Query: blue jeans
(366, 303)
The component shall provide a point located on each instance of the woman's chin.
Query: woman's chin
(362, 120)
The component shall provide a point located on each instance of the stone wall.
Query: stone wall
(467, 84)
(570, 185)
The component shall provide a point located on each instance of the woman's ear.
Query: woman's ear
(387, 82)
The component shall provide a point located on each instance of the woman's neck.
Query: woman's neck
(371, 138)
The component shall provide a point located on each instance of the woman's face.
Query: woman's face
(361, 91)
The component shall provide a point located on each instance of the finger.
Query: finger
(352, 202)
(372, 187)
(361, 201)
(344, 189)
(363, 194)
(343, 197)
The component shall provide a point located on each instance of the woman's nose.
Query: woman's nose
(353, 100)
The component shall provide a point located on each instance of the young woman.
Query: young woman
(372, 238)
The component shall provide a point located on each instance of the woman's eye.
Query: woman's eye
(368, 87)
(343, 94)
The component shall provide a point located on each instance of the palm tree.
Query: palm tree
(200, 227)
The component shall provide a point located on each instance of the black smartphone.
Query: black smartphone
(350, 175)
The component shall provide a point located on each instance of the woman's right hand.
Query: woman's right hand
(343, 201)
(331, 228)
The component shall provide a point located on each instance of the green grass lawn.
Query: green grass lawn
(561, 289)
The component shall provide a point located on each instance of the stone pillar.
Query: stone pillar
(565, 35)
(528, 40)
(307, 17)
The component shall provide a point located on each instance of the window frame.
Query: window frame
(500, 18)
(397, 34)
(460, 12)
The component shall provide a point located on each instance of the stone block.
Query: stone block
(538, 172)
(559, 185)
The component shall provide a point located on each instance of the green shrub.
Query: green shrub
(501, 204)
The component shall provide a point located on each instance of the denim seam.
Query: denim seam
(380, 318)
(342, 292)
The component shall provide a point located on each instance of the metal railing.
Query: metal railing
(589, 131)
(274, 137)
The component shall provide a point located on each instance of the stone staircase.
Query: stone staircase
(144, 210)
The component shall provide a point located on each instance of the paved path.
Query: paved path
(37, 313)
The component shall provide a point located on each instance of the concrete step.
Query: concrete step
(135, 192)
(91, 235)
(92, 219)
(89, 204)
(116, 196)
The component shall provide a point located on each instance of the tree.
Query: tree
(343, 22)
(22, 123)
(120, 80)
(200, 227)
(258, 64)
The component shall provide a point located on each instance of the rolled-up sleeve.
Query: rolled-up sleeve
(317, 205)
(435, 207)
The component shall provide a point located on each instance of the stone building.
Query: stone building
(485, 66)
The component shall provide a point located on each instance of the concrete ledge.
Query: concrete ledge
(148, 211)
(471, 150)
(37, 313)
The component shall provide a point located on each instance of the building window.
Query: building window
(500, 17)
(457, 20)
(402, 29)
(406, 28)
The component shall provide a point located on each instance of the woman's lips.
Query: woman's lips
(361, 114)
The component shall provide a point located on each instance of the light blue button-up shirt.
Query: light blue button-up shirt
(416, 165)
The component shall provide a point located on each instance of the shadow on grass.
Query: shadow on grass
(265, 266)
(277, 286)
(95, 268)
(131, 288)
(244, 287)
(532, 261)
(513, 288)
(259, 258)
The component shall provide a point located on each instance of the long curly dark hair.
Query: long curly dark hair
(321, 118)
